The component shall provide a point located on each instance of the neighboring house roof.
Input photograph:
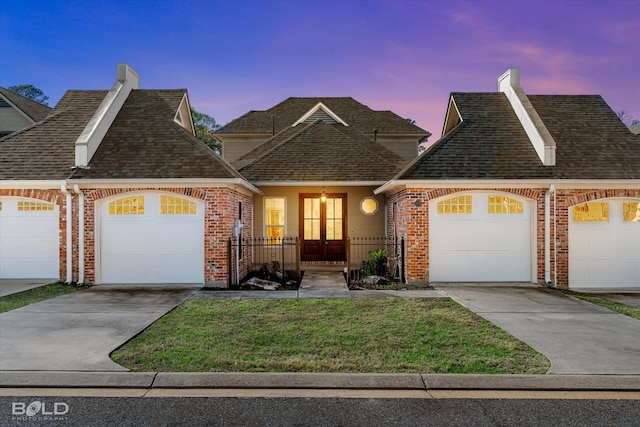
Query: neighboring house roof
(319, 152)
(352, 112)
(490, 142)
(46, 151)
(34, 110)
(144, 141)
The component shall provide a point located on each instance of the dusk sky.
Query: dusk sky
(402, 55)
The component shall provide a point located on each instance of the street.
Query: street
(306, 411)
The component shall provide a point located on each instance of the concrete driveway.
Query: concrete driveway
(576, 336)
(13, 286)
(78, 331)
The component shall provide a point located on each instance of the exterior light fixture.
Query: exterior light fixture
(323, 197)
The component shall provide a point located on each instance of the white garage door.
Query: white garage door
(152, 238)
(480, 237)
(29, 239)
(604, 244)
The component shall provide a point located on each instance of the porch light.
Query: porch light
(323, 197)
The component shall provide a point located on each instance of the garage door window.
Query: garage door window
(504, 205)
(34, 206)
(591, 212)
(455, 205)
(630, 211)
(127, 206)
(171, 205)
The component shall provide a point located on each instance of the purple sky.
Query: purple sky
(405, 56)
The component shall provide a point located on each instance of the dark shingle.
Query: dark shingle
(319, 152)
(490, 143)
(348, 109)
(145, 142)
(31, 108)
(46, 150)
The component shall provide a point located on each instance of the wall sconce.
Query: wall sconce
(323, 197)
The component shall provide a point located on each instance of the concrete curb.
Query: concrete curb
(179, 380)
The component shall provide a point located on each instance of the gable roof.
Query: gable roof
(46, 150)
(291, 110)
(32, 109)
(490, 142)
(144, 141)
(319, 152)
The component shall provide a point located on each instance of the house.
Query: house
(522, 188)
(317, 162)
(114, 187)
(18, 112)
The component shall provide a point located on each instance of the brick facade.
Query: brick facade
(221, 209)
(408, 213)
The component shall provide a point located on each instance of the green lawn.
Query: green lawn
(606, 303)
(327, 335)
(13, 301)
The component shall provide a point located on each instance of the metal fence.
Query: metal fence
(277, 260)
(379, 256)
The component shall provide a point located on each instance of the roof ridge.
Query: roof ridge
(278, 145)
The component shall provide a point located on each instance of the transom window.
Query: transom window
(455, 205)
(274, 216)
(591, 212)
(504, 205)
(35, 206)
(172, 205)
(631, 211)
(133, 205)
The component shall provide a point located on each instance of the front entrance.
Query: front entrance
(323, 227)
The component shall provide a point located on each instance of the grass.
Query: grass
(21, 299)
(606, 303)
(327, 335)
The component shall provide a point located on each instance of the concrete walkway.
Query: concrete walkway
(576, 336)
(78, 331)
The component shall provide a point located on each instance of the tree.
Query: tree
(627, 118)
(31, 92)
(204, 125)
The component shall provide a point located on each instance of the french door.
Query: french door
(323, 227)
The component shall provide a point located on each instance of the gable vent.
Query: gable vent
(178, 117)
(320, 114)
(4, 104)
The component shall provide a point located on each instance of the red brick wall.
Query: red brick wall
(52, 196)
(412, 222)
(221, 209)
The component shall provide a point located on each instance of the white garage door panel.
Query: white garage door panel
(29, 241)
(604, 254)
(152, 248)
(479, 247)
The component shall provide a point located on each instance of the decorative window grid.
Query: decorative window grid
(35, 206)
(455, 205)
(133, 205)
(274, 217)
(591, 212)
(504, 205)
(171, 205)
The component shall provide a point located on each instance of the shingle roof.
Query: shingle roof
(490, 143)
(145, 142)
(320, 152)
(46, 150)
(31, 108)
(357, 115)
